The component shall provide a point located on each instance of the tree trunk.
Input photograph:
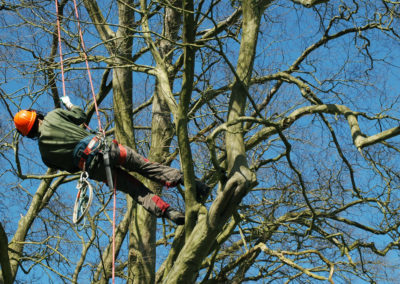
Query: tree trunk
(204, 234)
(5, 273)
(182, 119)
(234, 137)
(16, 245)
(142, 242)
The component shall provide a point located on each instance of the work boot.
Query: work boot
(175, 216)
(202, 191)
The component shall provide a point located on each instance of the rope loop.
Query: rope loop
(82, 201)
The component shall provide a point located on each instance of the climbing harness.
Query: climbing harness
(82, 201)
(105, 153)
(86, 149)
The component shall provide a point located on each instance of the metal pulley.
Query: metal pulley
(82, 201)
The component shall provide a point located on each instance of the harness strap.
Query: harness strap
(122, 153)
(92, 146)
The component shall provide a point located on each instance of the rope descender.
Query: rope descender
(82, 201)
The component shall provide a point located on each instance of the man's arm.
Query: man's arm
(75, 113)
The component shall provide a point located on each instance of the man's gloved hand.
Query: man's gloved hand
(67, 102)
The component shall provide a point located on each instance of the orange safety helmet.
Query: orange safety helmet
(24, 121)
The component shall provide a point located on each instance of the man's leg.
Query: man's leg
(146, 198)
(137, 190)
(170, 177)
(132, 161)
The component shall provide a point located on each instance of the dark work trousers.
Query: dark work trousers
(123, 160)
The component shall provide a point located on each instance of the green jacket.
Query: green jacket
(59, 134)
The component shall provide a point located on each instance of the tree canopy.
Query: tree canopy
(287, 109)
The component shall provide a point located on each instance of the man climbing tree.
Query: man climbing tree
(65, 145)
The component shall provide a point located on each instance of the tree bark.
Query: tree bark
(5, 273)
(16, 245)
(234, 136)
(182, 118)
(204, 234)
(162, 132)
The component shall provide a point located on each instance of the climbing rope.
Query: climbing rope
(60, 49)
(108, 170)
(87, 67)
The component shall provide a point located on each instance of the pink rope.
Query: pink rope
(60, 48)
(87, 66)
(96, 108)
(113, 228)
(100, 129)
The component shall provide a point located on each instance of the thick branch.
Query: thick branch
(6, 275)
(182, 119)
(101, 25)
(360, 140)
(161, 69)
(17, 243)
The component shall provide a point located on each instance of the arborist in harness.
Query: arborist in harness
(65, 145)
